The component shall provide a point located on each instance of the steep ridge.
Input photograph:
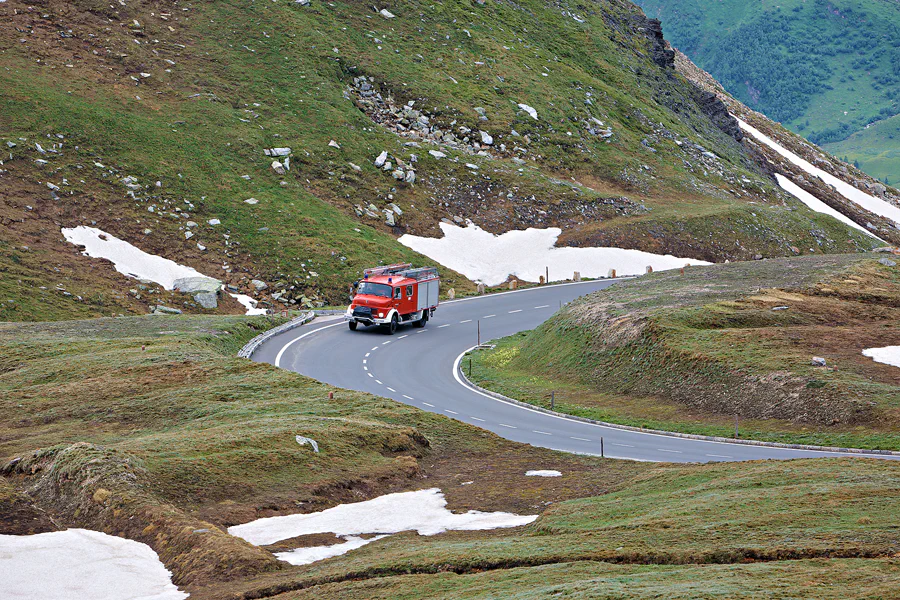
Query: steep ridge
(151, 121)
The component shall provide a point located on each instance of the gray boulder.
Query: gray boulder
(207, 299)
(259, 285)
(165, 310)
(197, 285)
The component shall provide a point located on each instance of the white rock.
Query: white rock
(486, 138)
(471, 166)
(437, 154)
(386, 13)
(334, 144)
(530, 110)
(278, 167)
(543, 473)
(251, 201)
(305, 440)
(381, 159)
(355, 167)
(214, 222)
(278, 151)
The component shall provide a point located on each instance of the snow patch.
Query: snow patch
(889, 355)
(305, 556)
(814, 203)
(483, 256)
(248, 303)
(543, 473)
(870, 203)
(127, 259)
(424, 511)
(78, 563)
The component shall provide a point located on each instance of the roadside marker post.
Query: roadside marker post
(602, 454)
(552, 400)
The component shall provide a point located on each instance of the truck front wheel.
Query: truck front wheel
(393, 325)
(352, 325)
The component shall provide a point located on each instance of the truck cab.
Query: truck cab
(393, 295)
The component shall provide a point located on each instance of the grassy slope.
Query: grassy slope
(823, 69)
(251, 76)
(687, 353)
(876, 149)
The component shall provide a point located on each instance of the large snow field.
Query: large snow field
(488, 258)
(424, 511)
(866, 201)
(127, 259)
(889, 355)
(78, 564)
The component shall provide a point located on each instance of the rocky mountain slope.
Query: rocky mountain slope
(828, 69)
(292, 142)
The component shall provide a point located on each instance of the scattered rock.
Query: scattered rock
(305, 440)
(381, 159)
(259, 285)
(251, 201)
(278, 167)
(437, 154)
(530, 110)
(818, 361)
(334, 144)
(486, 138)
(164, 310)
(278, 151)
(214, 222)
(887, 262)
(386, 13)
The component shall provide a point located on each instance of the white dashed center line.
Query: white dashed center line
(403, 336)
(579, 439)
(365, 361)
(719, 456)
(375, 348)
(543, 306)
(477, 419)
(378, 382)
(367, 354)
(488, 316)
(370, 375)
(392, 389)
(466, 321)
(408, 397)
(624, 445)
(672, 451)
(421, 331)
(426, 404)
(451, 412)
(540, 432)
(515, 311)
(505, 425)
(365, 368)
(385, 343)
(442, 326)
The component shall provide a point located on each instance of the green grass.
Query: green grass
(688, 352)
(875, 149)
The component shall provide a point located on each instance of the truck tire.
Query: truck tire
(352, 325)
(421, 322)
(392, 327)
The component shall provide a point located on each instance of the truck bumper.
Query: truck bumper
(348, 316)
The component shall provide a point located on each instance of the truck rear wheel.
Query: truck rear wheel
(393, 325)
(421, 322)
(352, 325)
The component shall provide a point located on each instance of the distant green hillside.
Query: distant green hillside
(826, 69)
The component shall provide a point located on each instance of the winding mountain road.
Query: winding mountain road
(419, 367)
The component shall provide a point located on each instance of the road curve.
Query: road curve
(417, 367)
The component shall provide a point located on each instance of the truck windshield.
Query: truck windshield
(374, 289)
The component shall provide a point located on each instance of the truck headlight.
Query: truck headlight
(380, 314)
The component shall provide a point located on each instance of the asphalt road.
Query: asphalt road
(417, 367)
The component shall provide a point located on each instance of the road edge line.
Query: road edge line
(464, 381)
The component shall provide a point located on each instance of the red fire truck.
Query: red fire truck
(389, 296)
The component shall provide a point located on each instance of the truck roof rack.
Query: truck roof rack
(386, 270)
(403, 270)
(420, 274)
